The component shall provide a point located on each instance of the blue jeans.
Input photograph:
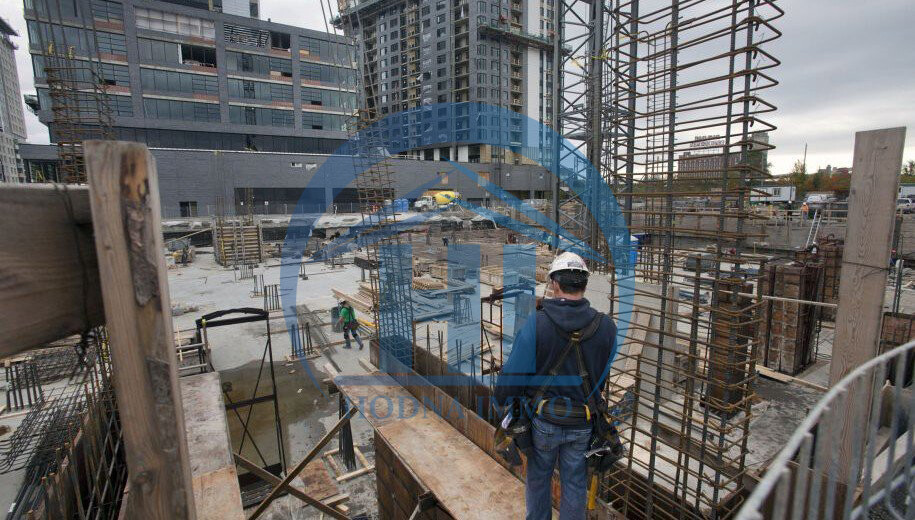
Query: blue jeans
(346, 333)
(569, 444)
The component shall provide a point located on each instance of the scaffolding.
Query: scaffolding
(391, 273)
(80, 107)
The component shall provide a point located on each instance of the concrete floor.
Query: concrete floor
(307, 412)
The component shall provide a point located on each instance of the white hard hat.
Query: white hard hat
(568, 262)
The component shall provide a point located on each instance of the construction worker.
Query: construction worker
(805, 209)
(566, 339)
(350, 324)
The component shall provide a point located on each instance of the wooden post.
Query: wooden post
(871, 211)
(862, 285)
(124, 195)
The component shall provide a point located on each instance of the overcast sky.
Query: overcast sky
(847, 65)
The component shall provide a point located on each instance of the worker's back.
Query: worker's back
(540, 345)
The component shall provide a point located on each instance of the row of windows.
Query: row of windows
(168, 81)
(89, 104)
(154, 137)
(58, 9)
(156, 20)
(330, 98)
(244, 62)
(245, 89)
(180, 110)
(109, 74)
(77, 40)
(260, 116)
(317, 121)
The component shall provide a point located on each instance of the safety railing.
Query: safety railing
(852, 456)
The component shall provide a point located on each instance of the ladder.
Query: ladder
(814, 229)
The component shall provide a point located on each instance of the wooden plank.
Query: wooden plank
(868, 240)
(475, 485)
(49, 283)
(785, 378)
(124, 194)
(215, 481)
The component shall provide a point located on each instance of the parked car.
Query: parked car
(905, 206)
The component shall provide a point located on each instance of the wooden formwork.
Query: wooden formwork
(786, 328)
(237, 244)
(829, 251)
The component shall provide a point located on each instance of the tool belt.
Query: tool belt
(515, 427)
(562, 412)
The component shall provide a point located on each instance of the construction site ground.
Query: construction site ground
(308, 412)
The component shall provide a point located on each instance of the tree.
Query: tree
(907, 175)
(798, 177)
(909, 167)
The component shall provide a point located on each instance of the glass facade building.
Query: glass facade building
(176, 74)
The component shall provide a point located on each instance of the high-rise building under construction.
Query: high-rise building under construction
(419, 53)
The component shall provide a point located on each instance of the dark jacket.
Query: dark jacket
(540, 344)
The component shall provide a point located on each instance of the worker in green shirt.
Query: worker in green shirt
(350, 324)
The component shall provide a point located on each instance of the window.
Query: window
(180, 110)
(155, 51)
(440, 18)
(66, 9)
(188, 208)
(111, 43)
(155, 20)
(260, 116)
(79, 40)
(195, 55)
(331, 98)
(255, 63)
(114, 74)
(170, 81)
(107, 11)
(279, 40)
(318, 121)
(244, 89)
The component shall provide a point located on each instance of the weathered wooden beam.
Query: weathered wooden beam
(862, 286)
(868, 243)
(124, 194)
(49, 283)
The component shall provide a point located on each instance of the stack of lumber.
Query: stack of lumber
(362, 301)
(429, 284)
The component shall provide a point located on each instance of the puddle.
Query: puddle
(301, 407)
